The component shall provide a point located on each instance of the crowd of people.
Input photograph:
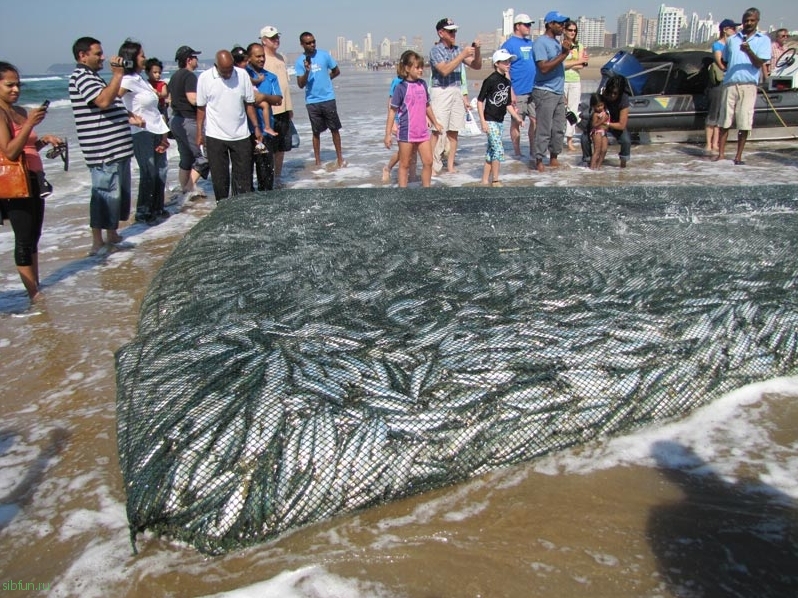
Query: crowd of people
(236, 117)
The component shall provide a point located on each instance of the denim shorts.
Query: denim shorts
(110, 194)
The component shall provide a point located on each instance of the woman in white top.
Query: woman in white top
(150, 139)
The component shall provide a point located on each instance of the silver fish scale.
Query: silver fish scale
(308, 354)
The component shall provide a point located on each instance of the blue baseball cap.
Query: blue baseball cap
(727, 23)
(555, 17)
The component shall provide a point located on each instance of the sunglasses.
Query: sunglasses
(571, 30)
(309, 42)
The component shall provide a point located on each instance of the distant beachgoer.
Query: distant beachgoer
(315, 70)
(269, 93)
(284, 112)
(149, 140)
(154, 70)
(522, 75)
(446, 61)
(599, 125)
(225, 102)
(717, 70)
(103, 129)
(549, 91)
(17, 138)
(574, 62)
(183, 92)
(411, 101)
(745, 54)
(777, 48)
(493, 103)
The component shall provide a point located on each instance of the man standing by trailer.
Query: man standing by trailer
(549, 92)
(745, 53)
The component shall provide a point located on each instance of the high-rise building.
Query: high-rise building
(670, 22)
(701, 30)
(385, 49)
(630, 29)
(418, 44)
(649, 39)
(591, 31)
(367, 47)
(507, 22)
(340, 48)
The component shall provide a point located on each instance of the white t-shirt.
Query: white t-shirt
(224, 101)
(142, 100)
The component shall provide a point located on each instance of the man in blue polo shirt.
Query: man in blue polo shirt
(745, 53)
(549, 92)
(522, 76)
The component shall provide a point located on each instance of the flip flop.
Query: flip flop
(739, 162)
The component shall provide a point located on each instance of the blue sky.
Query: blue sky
(41, 33)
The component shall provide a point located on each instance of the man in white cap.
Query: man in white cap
(446, 97)
(522, 74)
(549, 92)
(284, 113)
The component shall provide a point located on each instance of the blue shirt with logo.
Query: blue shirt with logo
(523, 70)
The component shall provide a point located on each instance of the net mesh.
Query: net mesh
(306, 353)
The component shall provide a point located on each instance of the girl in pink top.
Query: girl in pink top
(411, 101)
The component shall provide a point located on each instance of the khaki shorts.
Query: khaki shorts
(447, 104)
(524, 106)
(737, 106)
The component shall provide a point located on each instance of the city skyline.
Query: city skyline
(56, 24)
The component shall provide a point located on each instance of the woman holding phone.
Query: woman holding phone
(17, 138)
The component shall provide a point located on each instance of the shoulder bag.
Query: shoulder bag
(14, 181)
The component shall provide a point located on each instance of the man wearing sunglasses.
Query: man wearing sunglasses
(284, 112)
(315, 70)
(777, 48)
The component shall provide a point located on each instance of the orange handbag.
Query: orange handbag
(14, 181)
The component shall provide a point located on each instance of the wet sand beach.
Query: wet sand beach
(702, 506)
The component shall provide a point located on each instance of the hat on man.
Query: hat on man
(502, 54)
(523, 18)
(185, 52)
(269, 31)
(447, 24)
(555, 17)
(728, 23)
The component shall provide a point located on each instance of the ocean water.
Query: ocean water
(702, 506)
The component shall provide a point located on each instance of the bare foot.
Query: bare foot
(539, 166)
(386, 175)
(623, 163)
(39, 296)
(554, 163)
(96, 249)
(718, 157)
(114, 237)
(342, 163)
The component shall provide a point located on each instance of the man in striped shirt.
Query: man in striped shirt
(103, 129)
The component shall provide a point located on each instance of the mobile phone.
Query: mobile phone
(473, 44)
(45, 104)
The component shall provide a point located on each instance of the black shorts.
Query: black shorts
(281, 143)
(323, 116)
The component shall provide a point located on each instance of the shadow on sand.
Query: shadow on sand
(722, 539)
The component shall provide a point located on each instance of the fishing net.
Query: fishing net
(307, 353)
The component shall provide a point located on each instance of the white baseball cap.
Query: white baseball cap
(269, 31)
(523, 18)
(503, 54)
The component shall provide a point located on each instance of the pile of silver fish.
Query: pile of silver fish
(303, 354)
